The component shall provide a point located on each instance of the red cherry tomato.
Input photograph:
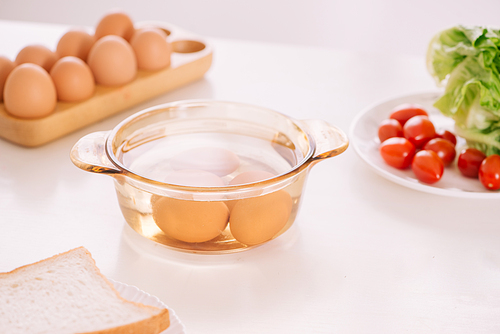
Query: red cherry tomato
(469, 162)
(389, 128)
(404, 112)
(489, 172)
(444, 149)
(427, 166)
(419, 130)
(397, 152)
(445, 134)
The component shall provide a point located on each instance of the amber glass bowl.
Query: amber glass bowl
(215, 219)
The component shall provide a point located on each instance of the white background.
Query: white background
(385, 27)
(365, 255)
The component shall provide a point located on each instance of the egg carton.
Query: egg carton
(191, 59)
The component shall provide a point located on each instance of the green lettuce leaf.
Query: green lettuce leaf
(467, 59)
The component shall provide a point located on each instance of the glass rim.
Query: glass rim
(280, 180)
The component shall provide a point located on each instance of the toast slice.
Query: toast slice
(67, 294)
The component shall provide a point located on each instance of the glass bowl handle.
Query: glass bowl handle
(330, 141)
(89, 154)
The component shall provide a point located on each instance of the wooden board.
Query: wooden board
(191, 59)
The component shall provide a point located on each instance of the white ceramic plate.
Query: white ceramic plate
(364, 138)
(135, 295)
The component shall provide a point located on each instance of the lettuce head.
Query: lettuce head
(466, 60)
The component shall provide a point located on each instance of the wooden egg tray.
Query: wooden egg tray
(191, 58)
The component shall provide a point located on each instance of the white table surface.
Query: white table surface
(364, 256)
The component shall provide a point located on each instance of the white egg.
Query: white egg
(251, 176)
(218, 161)
(194, 177)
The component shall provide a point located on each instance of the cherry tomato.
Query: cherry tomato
(469, 162)
(404, 112)
(397, 152)
(445, 134)
(489, 172)
(444, 149)
(427, 166)
(389, 128)
(419, 130)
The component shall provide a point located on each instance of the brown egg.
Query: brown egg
(29, 92)
(6, 66)
(190, 221)
(151, 49)
(112, 61)
(37, 54)
(259, 219)
(76, 43)
(115, 23)
(73, 79)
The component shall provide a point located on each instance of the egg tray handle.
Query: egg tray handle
(330, 141)
(89, 154)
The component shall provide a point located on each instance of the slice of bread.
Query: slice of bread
(67, 294)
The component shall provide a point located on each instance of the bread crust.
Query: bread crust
(47, 259)
(155, 324)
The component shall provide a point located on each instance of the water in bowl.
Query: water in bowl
(152, 159)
